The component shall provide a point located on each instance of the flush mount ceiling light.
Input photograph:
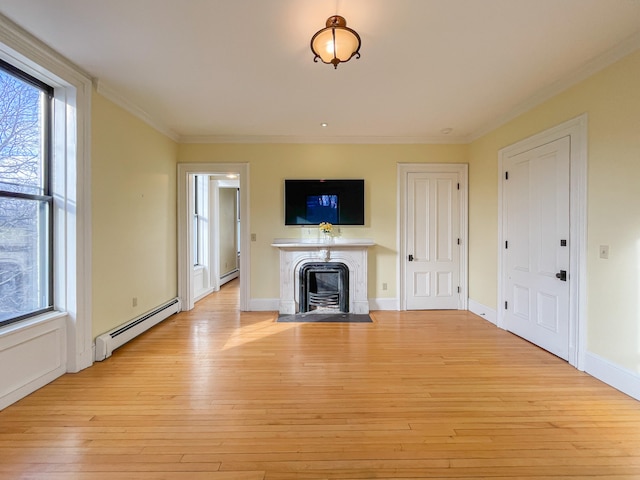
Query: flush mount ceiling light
(335, 43)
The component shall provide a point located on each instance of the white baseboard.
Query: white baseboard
(229, 276)
(483, 311)
(384, 304)
(200, 295)
(264, 304)
(612, 374)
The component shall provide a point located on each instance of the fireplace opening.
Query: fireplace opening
(324, 286)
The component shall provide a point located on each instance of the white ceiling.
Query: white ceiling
(242, 70)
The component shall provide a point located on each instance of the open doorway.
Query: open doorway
(210, 180)
(215, 231)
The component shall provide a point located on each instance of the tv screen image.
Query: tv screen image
(310, 202)
(322, 208)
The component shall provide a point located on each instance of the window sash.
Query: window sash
(26, 251)
(36, 289)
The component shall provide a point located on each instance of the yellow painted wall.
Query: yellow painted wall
(271, 164)
(611, 98)
(133, 194)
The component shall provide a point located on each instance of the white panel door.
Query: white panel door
(537, 246)
(433, 234)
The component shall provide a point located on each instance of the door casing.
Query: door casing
(576, 130)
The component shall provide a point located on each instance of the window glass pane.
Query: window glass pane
(195, 239)
(21, 136)
(24, 256)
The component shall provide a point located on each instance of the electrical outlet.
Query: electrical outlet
(604, 251)
(134, 302)
(384, 286)
(253, 237)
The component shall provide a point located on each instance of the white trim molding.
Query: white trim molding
(390, 304)
(111, 94)
(350, 140)
(483, 311)
(614, 375)
(264, 305)
(611, 56)
(576, 130)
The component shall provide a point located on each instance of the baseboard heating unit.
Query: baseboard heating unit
(108, 342)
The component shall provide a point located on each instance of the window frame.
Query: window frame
(200, 214)
(71, 319)
(45, 197)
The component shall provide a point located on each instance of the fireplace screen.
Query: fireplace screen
(324, 286)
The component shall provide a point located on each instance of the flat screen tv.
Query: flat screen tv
(310, 202)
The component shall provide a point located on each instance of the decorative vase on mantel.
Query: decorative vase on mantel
(326, 232)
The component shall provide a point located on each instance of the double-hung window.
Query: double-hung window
(199, 219)
(26, 203)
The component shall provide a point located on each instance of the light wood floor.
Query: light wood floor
(214, 394)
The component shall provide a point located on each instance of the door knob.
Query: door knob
(562, 275)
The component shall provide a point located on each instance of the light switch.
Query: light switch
(604, 251)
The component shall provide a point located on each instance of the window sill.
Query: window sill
(31, 322)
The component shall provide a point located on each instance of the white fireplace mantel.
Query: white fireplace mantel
(296, 252)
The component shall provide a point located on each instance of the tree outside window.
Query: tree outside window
(25, 200)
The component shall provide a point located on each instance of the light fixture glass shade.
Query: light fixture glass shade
(336, 43)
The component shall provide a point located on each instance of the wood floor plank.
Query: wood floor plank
(218, 394)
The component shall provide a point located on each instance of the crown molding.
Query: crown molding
(362, 140)
(626, 47)
(113, 95)
(10, 31)
(36, 57)
(588, 69)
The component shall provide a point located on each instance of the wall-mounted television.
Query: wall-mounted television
(310, 202)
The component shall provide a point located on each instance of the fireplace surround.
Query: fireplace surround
(296, 253)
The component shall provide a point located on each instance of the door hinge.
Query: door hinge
(563, 243)
(506, 244)
(505, 305)
(458, 241)
(458, 186)
(506, 175)
(458, 289)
